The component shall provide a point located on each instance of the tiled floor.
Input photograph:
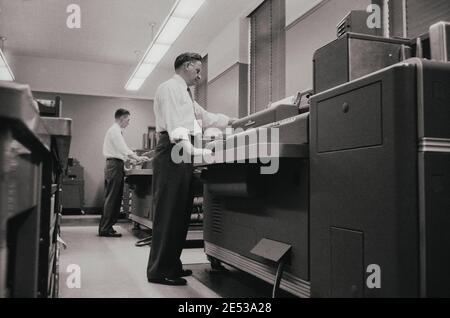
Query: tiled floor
(116, 268)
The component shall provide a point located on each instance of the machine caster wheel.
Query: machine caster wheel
(216, 265)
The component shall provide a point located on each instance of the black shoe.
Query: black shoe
(186, 273)
(177, 281)
(109, 234)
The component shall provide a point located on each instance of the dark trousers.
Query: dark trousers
(172, 208)
(114, 180)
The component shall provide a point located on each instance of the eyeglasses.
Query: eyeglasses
(198, 70)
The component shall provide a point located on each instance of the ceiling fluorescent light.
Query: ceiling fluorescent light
(181, 14)
(156, 53)
(5, 72)
(187, 8)
(135, 84)
(144, 70)
(172, 30)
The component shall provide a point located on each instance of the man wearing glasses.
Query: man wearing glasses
(178, 118)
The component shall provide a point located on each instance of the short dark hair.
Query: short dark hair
(121, 112)
(187, 57)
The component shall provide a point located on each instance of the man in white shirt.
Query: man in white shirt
(116, 153)
(178, 117)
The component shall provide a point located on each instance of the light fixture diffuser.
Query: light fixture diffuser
(156, 53)
(187, 9)
(179, 17)
(172, 30)
(135, 84)
(144, 70)
(5, 72)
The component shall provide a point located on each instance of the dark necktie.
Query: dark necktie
(193, 105)
(190, 93)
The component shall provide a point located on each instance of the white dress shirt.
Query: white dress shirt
(114, 146)
(174, 112)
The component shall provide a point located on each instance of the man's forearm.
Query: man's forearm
(137, 158)
(231, 121)
(191, 150)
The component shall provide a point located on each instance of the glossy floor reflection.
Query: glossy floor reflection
(116, 268)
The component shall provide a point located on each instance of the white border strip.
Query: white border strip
(434, 145)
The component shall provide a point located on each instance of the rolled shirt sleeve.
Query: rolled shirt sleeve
(119, 143)
(210, 120)
(114, 145)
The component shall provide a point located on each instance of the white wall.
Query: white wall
(231, 45)
(223, 93)
(223, 51)
(85, 78)
(308, 35)
(91, 118)
(296, 8)
(228, 48)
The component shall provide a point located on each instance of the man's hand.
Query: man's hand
(139, 159)
(231, 121)
(192, 151)
(149, 153)
(143, 159)
(132, 162)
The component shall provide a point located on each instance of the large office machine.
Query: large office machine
(358, 205)
(33, 156)
(73, 188)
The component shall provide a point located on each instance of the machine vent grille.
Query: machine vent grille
(217, 216)
(343, 27)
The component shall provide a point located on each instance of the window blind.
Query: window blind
(267, 54)
(420, 15)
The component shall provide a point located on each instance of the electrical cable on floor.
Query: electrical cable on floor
(196, 216)
(144, 242)
(276, 286)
